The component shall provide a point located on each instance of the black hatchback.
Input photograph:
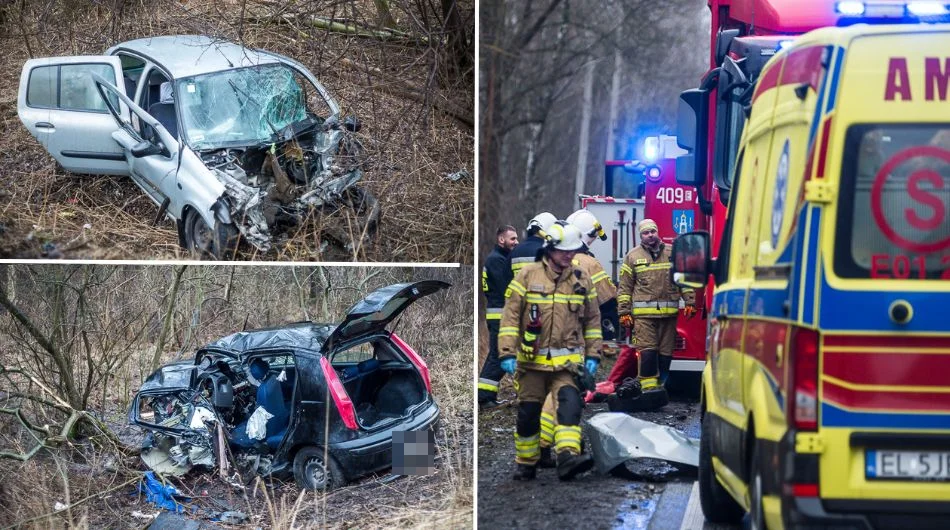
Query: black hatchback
(344, 389)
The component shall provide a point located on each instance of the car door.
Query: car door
(60, 106)
(153, 161)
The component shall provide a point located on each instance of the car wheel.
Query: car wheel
(218, 242)
(316, 470)
(718, 505)
(756, 512)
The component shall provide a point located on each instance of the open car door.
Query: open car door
(373, 313)
(59, 104)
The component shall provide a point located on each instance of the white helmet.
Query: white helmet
(588, 225)
(564, 236)
(541, 223)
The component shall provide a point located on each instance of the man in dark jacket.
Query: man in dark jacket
(495, 277)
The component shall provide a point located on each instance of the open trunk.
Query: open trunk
(383, 392)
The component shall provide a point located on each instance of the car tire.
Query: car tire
(718, 505)
(756, 519)
(315, 469)
(214, 243)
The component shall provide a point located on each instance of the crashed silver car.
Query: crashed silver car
(230, 142)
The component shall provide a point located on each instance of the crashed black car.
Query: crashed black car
(344, 389)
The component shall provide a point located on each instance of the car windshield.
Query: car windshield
(240, 107)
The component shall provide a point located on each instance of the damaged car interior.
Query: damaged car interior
(313, 401)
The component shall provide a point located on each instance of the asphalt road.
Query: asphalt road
(655, 496)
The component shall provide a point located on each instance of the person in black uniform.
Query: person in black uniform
(529, 250)
(496, 274)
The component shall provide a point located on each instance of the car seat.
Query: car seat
(164, 111)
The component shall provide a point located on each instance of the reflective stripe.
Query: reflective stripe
(495, 310)
(527, 449)
(535, 298)
(655, 311)
(493, 316)
(656, 304)
(547, 429)
(592, 295)
(648, 383)
(488, 387)
(558, 356)
(623, 298)
(516, 287)
(598, 276)
(593, 333)
(567, 437)
(653, 267)
(530, 337)
(484, 279)
(508, 331)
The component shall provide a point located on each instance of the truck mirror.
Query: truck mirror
(691, 260)
(723, 42)
(691, 127)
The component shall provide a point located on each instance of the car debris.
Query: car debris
(617, 437)
(333, 396)
(229, 142)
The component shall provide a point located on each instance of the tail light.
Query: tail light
(803, 401)
(415, 359)
(340, 397)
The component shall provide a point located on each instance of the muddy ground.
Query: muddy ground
(592, 500)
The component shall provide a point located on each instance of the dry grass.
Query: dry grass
(411, 146)
(96, 473)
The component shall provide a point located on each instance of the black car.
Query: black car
(345, 389)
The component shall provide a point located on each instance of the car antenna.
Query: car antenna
(247, 316)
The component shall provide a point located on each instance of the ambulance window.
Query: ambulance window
(895, 222)
(722, 260)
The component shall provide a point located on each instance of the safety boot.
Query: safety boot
(526, 472)
(569, 465)
(547, 458)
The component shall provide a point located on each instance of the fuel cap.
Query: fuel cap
(901, 311)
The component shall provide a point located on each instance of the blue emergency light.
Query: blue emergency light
(927, 9)
(850, 8)
(653, 173)
(895, 10)
(651, 148)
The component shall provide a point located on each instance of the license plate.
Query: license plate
(907, 465)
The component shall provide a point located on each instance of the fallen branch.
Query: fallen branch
(341, 28)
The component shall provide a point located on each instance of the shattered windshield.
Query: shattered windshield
(240, 107)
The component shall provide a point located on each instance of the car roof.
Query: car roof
(188, 55)
(304, 335)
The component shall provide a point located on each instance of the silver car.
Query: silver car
(230, 142)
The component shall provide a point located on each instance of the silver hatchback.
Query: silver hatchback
(230, 142)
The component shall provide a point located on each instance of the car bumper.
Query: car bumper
(865, 514)
(374, 451)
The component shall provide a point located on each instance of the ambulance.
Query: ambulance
(826, 393)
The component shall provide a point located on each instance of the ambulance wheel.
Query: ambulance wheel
(756, 519)
(718, 505)
(316, 470)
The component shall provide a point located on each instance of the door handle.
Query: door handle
(45, 125)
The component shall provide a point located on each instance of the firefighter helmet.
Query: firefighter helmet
(541, 223)
(588, 225)
(564, 236)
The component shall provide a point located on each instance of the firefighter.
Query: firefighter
(496, 274)
(590, 229)
(649, 303)
(529, 250)
(550, 331)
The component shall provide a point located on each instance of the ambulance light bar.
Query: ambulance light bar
(881, 10)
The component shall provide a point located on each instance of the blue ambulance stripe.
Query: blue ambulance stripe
(811, 268)
(832, 92)
(870, 310)
(729, 302)
(768, 303)
(832, 416)
(799, 249)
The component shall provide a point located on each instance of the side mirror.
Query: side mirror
(691, 263)
(352, 124)
(691, 131)
(146, 149)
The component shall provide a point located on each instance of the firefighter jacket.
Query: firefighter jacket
(569, 314)
(528, 251)
(646, 289)
(593, 268)
(496, 274)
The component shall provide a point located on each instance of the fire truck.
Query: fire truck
(635, 190)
